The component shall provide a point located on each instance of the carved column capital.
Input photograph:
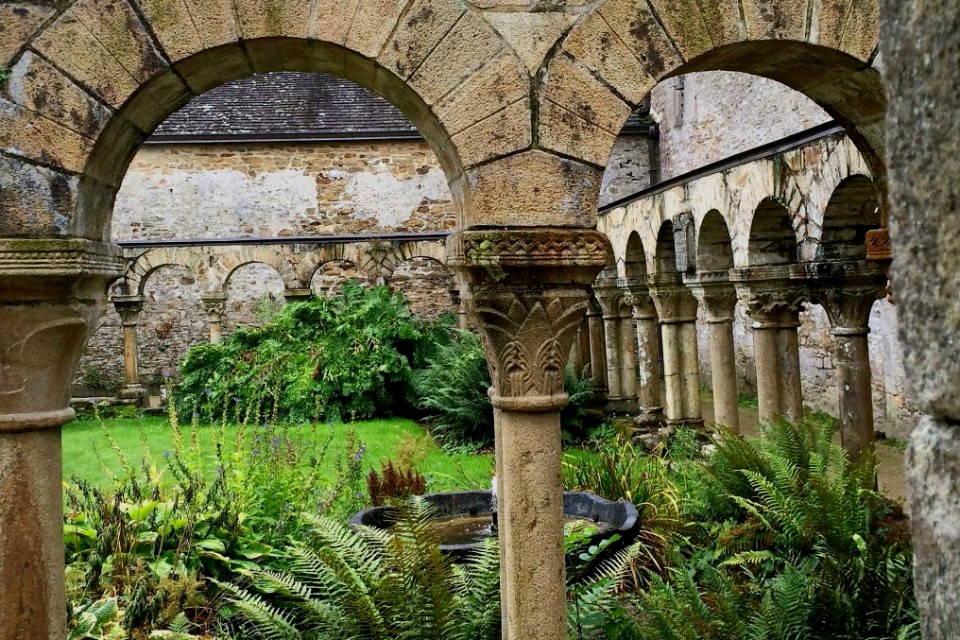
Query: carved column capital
(847, 291)
(129, 308)
(527, 292)
(773, 307)
(298, 294)
(53, 293)
(674, 301)
(718, 300)
(215, 305)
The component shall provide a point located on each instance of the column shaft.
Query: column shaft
(855, 390)
(31, 522)
(692, 410)
(628, 360)
(723, 373)
(648, 361)
(533, 587)
(768, 377)
(131, 363)
(788, 353)
(598, 352)
(672, 373)
(611, 334)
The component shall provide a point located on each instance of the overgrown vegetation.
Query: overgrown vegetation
(350, 356)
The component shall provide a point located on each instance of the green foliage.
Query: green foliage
(394, 483)
(350, 356)
(786, 539)
(379, 585)
(452, 391)
(155, 541)
(96, 379)
(94, 621)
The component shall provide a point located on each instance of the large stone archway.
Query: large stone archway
(521, 102)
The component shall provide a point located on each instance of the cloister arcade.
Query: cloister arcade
(523, 127)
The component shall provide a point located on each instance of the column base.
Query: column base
(649, 419)
(694, 423)
(622, 405)
(132, 392)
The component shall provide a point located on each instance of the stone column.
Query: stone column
(129, 308)
(53, 292)
(215, 305)
(847, 291)
(628, 355)
(610, 298)
(648, 359)
(774, 306)
(598, 350)
(718, 301)
(677, 310)
(528, 311)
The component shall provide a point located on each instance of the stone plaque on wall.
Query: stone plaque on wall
(684, 241)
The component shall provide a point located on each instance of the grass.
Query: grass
(99, 450)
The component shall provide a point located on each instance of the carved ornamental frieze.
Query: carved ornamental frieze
(527, 292)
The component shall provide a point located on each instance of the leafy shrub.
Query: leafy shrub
(452, 392)
(350, 356)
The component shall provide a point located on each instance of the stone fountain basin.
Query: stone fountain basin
(614, 517)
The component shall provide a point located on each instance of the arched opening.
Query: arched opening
(328, 279)
(853, 210)
(635, 261)
(772, 241)
(254, 292)
(426, 283)
(172, 320)
(666, 256)
(714, 250)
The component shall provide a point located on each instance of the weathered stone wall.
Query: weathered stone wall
(253, 293)
(628, 169)
(201, 191)
(706, 117)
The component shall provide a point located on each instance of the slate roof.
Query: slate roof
(285, 106)
(296, 106)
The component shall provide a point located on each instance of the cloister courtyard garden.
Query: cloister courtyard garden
(226, 518)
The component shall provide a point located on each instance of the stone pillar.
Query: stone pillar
(598, 350)
(847, 291)
(628, 355)
(215, 305)
(528, 311)
(718, 301)
(774, 306)
(648, 359)
(129, 308)
(918, 43)
(53, 292)
(677, 310)
(609, 297)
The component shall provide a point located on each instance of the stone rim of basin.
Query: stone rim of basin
(620, 515)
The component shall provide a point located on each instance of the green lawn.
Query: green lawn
(88, 448)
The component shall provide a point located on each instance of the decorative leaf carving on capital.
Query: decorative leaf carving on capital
(674, 304)
(527, 335)
(848, 307)
(215, 307)
(773, 305)
(718, 302)
(129, 310)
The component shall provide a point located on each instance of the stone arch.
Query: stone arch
(433, 249)
(146, 264)
(714, 248)
(230, 261)
(251, 292)
(665, 258)
(309, 264)
(93, 80)
(772, 240)
(635, 260)
(613, 56)
(173, 319)
(427, 283)
(342, 269)
(853, 210)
